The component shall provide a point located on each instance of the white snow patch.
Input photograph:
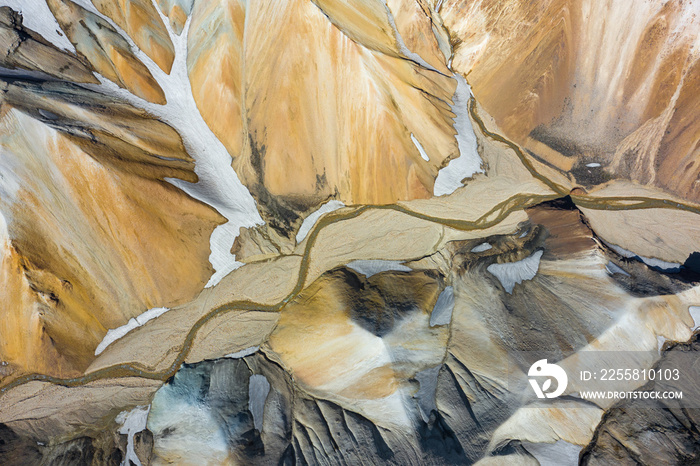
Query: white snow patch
(660, 342)
(442, 311)
(419, 146)
(650, 261)
(468, 163)
(132, 422)
(218, 183)
(311, 220)
(37, 17)
(371, 267)
(560, 453)
(695, 314)
(482, 247)
(613, 268)
(195, 433)
(135, 322)
(402, 45)
(510, 273)
(243, 353)
(258, 389)
(659, 264)
(593, 165)
(151, 314)
(427, 380)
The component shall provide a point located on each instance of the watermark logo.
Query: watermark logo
(541, 369)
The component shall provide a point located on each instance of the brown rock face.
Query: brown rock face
(284, 232)
(141, 21)
(107, 51)
(177, 12)
(113, 133)
(578, 82)
(27, 50)
(346, 313)
(311, 111)
(652, 432)
(88, 250)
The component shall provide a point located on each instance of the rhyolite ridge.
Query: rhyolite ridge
(169, 155)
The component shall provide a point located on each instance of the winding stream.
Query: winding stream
(501, 211)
